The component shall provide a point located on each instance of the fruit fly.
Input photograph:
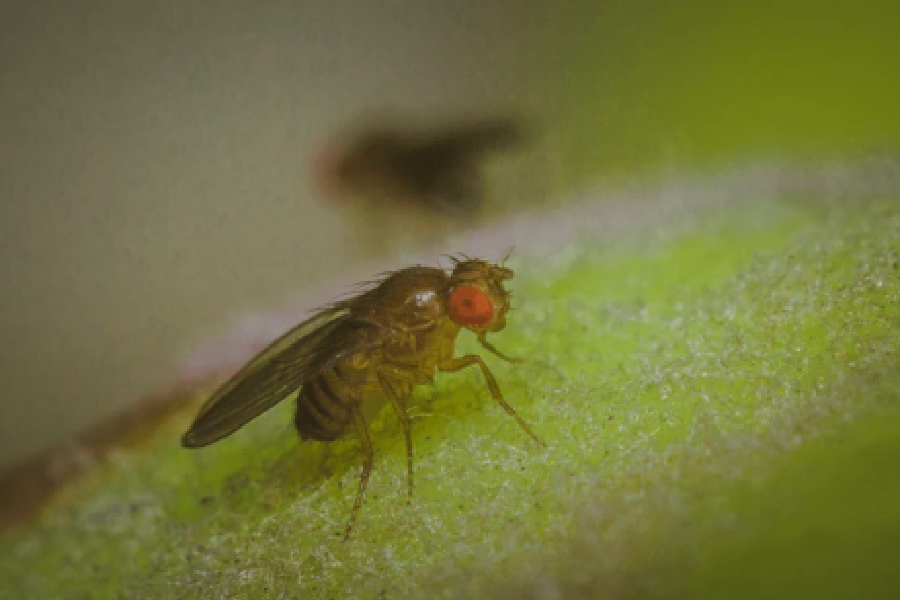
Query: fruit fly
(353, 355)
(431, 177)
(436, 169)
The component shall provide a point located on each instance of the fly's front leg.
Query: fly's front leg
(400, 408)
(362, 433)
(456, 364)
(482, 339)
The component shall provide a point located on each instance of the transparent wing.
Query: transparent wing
(280, 369)
(475, 137)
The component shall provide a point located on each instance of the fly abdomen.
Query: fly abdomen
(323, 407)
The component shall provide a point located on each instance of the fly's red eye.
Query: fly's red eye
(470, 306)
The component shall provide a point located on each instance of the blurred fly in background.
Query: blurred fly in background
(399, 180)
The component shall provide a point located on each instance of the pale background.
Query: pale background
(152, 179)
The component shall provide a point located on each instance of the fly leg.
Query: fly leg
(326, 454)
(400, 407)
(482, 339)
(362, 433)
(456, 364)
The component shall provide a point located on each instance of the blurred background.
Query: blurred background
(154, 178)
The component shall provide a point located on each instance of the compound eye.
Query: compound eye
(470, 306)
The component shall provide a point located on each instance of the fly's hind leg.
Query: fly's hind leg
(365, 443)
(400, 408)
(456, 364)
(325, 455)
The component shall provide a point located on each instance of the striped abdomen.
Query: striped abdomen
(323, 405)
